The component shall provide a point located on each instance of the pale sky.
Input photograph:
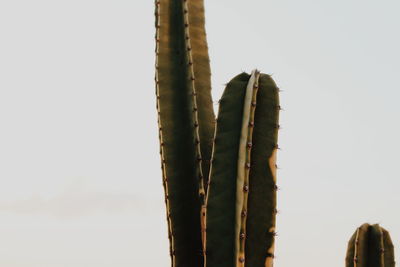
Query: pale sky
(80, 180)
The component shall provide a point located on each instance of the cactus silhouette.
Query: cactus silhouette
(219, 176)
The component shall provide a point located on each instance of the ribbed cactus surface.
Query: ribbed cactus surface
(370, 246)
(241, 203)
(186, 122)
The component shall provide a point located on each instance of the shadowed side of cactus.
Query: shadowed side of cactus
(186, 122)
(370, 246)
(241, 201)
(262, 181)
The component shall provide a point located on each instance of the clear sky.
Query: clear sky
(80, 181)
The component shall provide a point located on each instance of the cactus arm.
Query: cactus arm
(179, 135)
(221, 197)
(247, 120)
(200, 68)
(370, 246)
(200, 82)
(261, 214)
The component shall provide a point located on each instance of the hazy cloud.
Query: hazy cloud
(74, 204)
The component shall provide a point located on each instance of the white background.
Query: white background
(80, 181)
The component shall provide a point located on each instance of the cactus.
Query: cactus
(186, 131)
(370, 246)
(186, 123)
(241, 203)
(219, 178)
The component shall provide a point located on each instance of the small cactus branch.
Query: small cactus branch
(370, 246)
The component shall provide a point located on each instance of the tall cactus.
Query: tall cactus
(186, 122)
(370, 246)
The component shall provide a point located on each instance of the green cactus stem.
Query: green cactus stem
(241, 202)
(186, 123)
(199, 63)
(370, 246)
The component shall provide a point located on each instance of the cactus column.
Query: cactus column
(241, 202)
(186, 122)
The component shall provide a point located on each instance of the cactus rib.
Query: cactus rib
(244, 163)
(164, 176)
